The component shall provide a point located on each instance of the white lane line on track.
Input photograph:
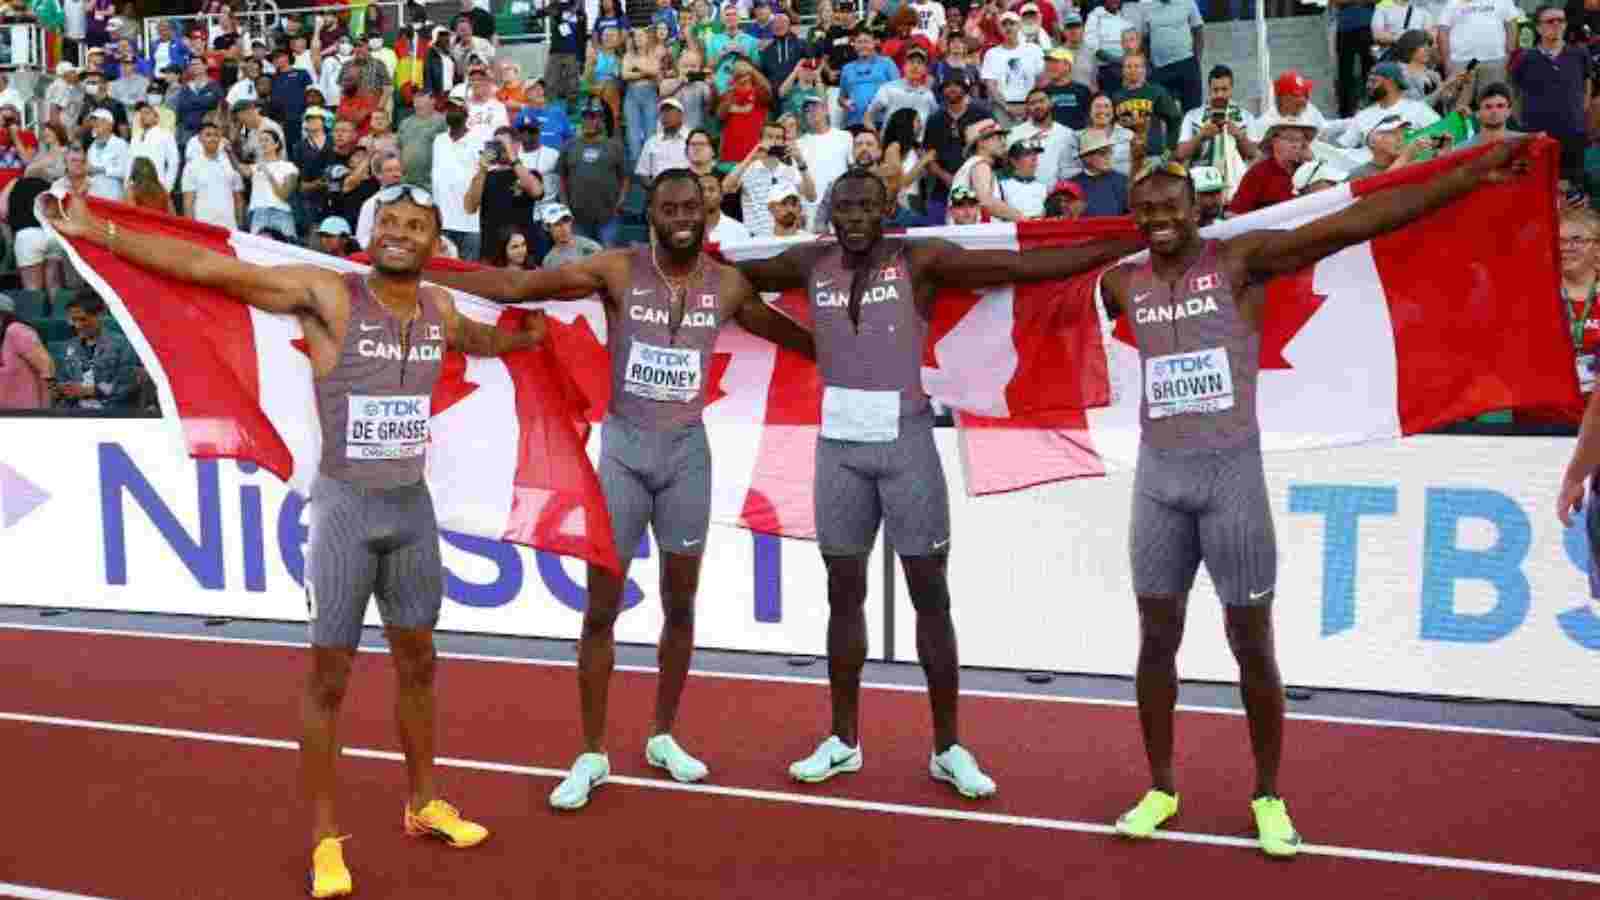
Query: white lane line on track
(902, 809)
(29, 892)
(1438, 727)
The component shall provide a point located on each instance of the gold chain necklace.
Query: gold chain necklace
(678, 288)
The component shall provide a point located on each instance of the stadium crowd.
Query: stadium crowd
(970, 111)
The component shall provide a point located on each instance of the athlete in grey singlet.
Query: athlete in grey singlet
(376, 344)
(871, 298)
(1200, 488)
(664, 305)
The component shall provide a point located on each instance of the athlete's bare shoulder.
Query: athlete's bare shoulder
(1114, 288)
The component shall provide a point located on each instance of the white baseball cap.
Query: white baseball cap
(554, 213)
(64, 68)
(103, 113)
(782, 192)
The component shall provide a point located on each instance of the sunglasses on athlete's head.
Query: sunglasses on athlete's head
(1163, 165)
(394, 192)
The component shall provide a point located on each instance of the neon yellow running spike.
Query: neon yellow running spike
(1278, 837)
(1144, 819)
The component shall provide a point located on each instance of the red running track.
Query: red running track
(136, 815)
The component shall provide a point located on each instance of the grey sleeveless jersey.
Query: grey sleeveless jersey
(374, 405)
(658, 371)
(1199, 358)
(884, 351)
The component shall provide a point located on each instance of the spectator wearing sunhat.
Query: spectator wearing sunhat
(1210, 193)
(1386, 88)
(1021, 186)
(1105, 190)
(568, 245)
(668, 147)
(1386, 140)
(1066, 201)
(1291, 93)
(913, 90)
(986, 147)
(1270, 180)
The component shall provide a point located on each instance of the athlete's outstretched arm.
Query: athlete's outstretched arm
(476, 338)
(949, 265)
(762, 320)
(1266, 254)
(1585, 460)
(785, 271)
(574, 281)
(276, 289)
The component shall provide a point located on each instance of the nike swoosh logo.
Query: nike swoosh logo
(365, 327)
(824, 283)
(1256, 596)
(640, 292)
(841, 760)
(595, 779)
(691, 543)
(944, 768)
(938, 544)
(1140, 298)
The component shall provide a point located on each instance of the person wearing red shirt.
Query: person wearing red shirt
(17, 144)
(743, 110)
(1271, 180)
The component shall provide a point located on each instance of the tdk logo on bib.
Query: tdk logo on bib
(670, 375)
(1181, 365)
(398, 406)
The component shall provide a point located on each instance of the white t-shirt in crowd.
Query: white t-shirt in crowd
(483, 118)
(243, 89)
(930, 19)
(213, 181)
(1477, 29)
(111, 161)
(661, 153)
(454, 163)
(1391, 17)
(157, 145)
(1057, 140)
(1416, 114)
(1016, 69)
(827, 156)
(543, 160)
(728, 231)
(1027, 196)
(262, 196)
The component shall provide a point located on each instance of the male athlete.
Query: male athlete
(1200, 489)
(665, 303)
(871, 300)
(376, 343)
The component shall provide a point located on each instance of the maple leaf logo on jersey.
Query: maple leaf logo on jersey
(1290, 304)
(890, 273)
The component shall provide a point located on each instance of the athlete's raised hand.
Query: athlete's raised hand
(1570, 500)
(1508, 160)
(70, 217)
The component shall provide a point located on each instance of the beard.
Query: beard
(681, 255)
(412, 272)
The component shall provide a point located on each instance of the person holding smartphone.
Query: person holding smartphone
(771, 163)
(1202, 126)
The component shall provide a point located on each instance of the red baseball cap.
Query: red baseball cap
(1293, 84)
(1067, 187)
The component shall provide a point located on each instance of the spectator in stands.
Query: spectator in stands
(554, 128)
(783, 208)
(912, 91)
(1102, 37)
(1177, 39)
(1033, 29)
(485, 113)
(168, 50)
(107, 158)
(1553, 79)
(743, 111)
(1481, 31)
(213, 190)
(245, 87)
(18, 145)
(960, 60)
(391, 171)
(668, 148)
(349, 189)
(1395, 18)
(131, 85)
(945, 137)
(1291, 105)
(985, 146)
(1011, 69)
(771, 163)
(692, 88)
(539, 158)
(1083, 67)
(145, 188)
(252, 127)
(826, 151)
(380, 138)
(1069, 100)
(1352, 50)
(723, 50)
(1494, 109)
(1065, 201)
(27, 373)
(1318, 175)
(63, 99)
(99, 368)
(603, 73)
(1386, 89)
(1058, 144)
(333, 237)
(1385, 139)
(569, 245)
(803, 83)
(505, 191)
(840, 48)
(288, 95)
(1271, 179)
(1141, 101)
(611, 17)
(416, 135)
(455, 162)
(786, 51)
(9, 95)
(1580, 284)
(720, 228)
(594, 174)
(513, 92)
(642, 66)
(96, 98)
(1102, 123)
(760, 24)
(568, 38)
(198, 96)
(1105, 190)
(439, 71)
(1218, 132)
(666, 15)
(39, 256)
(963, 207)
(313, 156)
(1021, 187)
(862, 77)
(272, 182)
(509, 249)
(468, 48)
(1210, 189)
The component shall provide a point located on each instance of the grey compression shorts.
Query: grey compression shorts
(1210, 505)
(899, 482)
(369, 542)
(656, 478)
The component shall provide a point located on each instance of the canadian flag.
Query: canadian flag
(506, 452)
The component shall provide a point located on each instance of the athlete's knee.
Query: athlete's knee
(605, 602)
(1250, 639)
(1160, 629)
(330, 677)
(847, 580)
(928, 583)
(415, 659)
(680, 581)
(677, 612)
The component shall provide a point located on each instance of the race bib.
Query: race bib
(1187, 383)
(667, 374)
(870, 417)
(387, 427)
(1586, 372)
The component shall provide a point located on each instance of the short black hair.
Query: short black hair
(863, 173)
(1494, 89)
(88, 302)
(670, 175)
(1219, 71)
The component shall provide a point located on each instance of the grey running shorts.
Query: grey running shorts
(656, 478)
(366, 542)
(1203, 505)
(898, 482)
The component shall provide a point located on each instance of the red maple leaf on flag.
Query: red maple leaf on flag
(1290, 304)
(452, 386)
(714, 376)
